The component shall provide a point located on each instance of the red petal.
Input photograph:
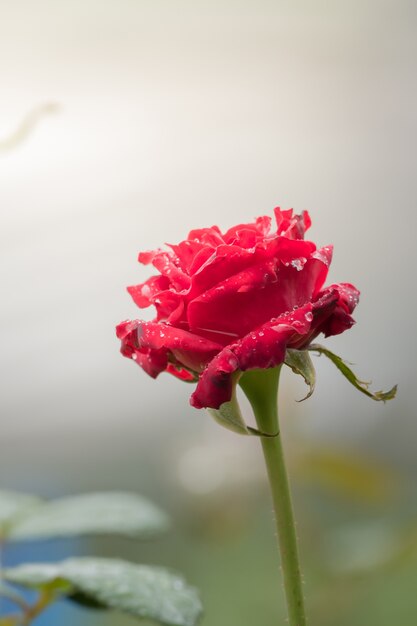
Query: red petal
(144, 294)
(208, 236)
(262, 348)
(252, 297)
(246, 235)
(186, 251)
(190, 350)
(165, 263)
(152, 361)
(341, 320)
(292, 226)
(180, 372)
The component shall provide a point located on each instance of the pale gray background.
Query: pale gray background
(175, 115)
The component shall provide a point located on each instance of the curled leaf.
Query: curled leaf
(300, 362)
(229, 416)
(352, 378)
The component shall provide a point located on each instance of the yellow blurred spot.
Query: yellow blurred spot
(349, 474)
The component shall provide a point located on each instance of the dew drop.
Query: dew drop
(134, 356)
(299, 263)
(278, 328)
(309, 316)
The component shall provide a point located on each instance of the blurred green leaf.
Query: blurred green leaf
(105, 512)
(14, 506)
(352, 378)
(140, 590)
(300, 362)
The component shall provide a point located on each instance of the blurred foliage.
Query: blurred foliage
(143, 591)
(357, 524)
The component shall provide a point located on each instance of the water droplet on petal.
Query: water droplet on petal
(299, 263)
(134, 356)
(278, 328)
(309, 316)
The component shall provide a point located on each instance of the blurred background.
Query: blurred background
(122, 126)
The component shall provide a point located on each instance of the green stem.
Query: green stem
(261, 389)
(44, 599)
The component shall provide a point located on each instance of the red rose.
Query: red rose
(229, 302)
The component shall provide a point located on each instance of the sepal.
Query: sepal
(230, 416)
(300, 362)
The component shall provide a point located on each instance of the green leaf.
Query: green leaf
(14, 506)
(300, 362)
(352, 378)
(229, 416)
(141, 590)
(106, 512)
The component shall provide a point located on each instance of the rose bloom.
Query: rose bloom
(234, 301)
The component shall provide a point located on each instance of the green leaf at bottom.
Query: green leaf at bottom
(141, 590)
(352, 378)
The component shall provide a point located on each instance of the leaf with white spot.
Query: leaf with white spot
(143, 591)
